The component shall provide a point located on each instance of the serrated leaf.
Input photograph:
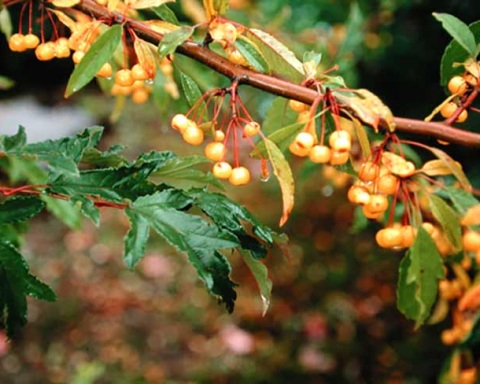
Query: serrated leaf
(447, 218)
(455, 53)
(108, 158)
(192, 91)
(166, 14)
(99, 53)
(252, 54)
(279, 58)
(172, 40)
(260, 273)
(282, 171)
(419, 273)
(454, 166)
(136, 240)
(461, 199)
(143, 4)
(20, 209)
(13, 142)
(459, 31)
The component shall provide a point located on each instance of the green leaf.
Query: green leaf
(448, 219)
(99, 53)
(109, 158)
(252, 54)
(281, 138)
(221, 6)
(194, 236)
(454, 53)
(360, 222)
(136, 239)
(13, 142)
(316, 57)
(20, 209)
(192, 92)
(459, 31)
(260, 273)
(419, 273)
(282, 171)
(461, 199)
(6, 83)
(279, 58)
(172, 40)
(166, 14)
(15, 284)
(277, 116)
(5, 24)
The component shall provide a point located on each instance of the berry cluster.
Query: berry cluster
(225, 33)
(461, 88)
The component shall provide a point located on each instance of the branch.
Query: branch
(272, 84)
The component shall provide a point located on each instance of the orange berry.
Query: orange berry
(449, 337)
(215, 151)
(377, 203)
(470, 79)
(167, 69)
(139, 73)
(468, 376)
(407, 170)
(339, 158)
(471, 241)
(369, 214)
(45, 52)
(457, 84)
(138, 84)
(304, 140)
(219, 135)
(118, 90)
(140, 96)
(62, 51)
(297, 106)
(430, 229)
(236, 57)
(304, 117)
(297, 150)
(193, 135)
(106, 71)
(239, 176)
(389, 237)
(229, 32)
(477, 258)
(222, 170)
(31, 41)
(340, 141)
(463, 116)
(78, 56)
(320, 154)
(16, 43)
(448, 110)
(387, 184)
(251, 129)
(368, 171)
(124, 78)
(358, 194)
(180, 122)
(409, 233)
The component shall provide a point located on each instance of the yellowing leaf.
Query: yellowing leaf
(437, 168)
(394, 163)
(455, 167)
(143, 4)
(65, 3)
(209, 9)
(360, 133)
(112, 5)
(145, 56)
(472, 216)
(66, 20)
(439, 107)
(162, 27)
(282, 171)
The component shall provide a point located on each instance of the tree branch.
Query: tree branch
(272, 84)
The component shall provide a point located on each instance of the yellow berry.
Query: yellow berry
(140, 96)
(45, 52)
(105, 71)
(215, 151)
(78, 56)
(358, 194)
(368, 171)
(457, 84)
(222, 170)
(463, 116)
(305, 140)
(239, 176)
(139, 73)
(119, 90)
(471, 241)
(340, 141)
(297, 106)
(387, 184)
(180, 122)
(369, 214)
(409, 234)
(31, 41)
(448, 110)
(193, 135)
(339, 158)
(251, 129)
(124, 78)
(377, 203)
(389, 237)
(17, 43)
(62, 51)
(320, 154)
(219, 135)
(229, 32)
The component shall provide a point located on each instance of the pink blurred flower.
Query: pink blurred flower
(237, 340)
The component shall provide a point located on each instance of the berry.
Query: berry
(468, 376)
(17, 43)
(340, 141)
(124, 78)
(31, 41)
(430, 229)
(297, 150)
(407, 170)
(358, 195)
(369, 214)
(239, 176)
(377, 203)
(470, 79)
(304, 117)
(222, 170)
(105, 71)
(387, 184)
(339, 158)
(368, 171)
(140, 96)
(471, 241)
(297, 106)
(118, 90)
(449, 337)
(409, 234)
(448, 110)
(62, 51)
(193, 135)
(139, 73)
(463, 116)
(78, 56)
(229, 32)
(215, 151)
(219, 135)
(45, 52)
(457, 84)
(181, 122)
(251, 129)
(389, 237)
(167, 69)
(305, 140)
(320, 154)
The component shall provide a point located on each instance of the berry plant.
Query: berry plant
(418, 194)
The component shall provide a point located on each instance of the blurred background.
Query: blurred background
(333, 317)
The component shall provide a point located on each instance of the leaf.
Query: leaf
(252, 54)
(146, 56)
(436, 168)
(15, 284)
(455, 53)
(281, 138)
(278, 115)
(172, 40)
(194, 236)
(448, 219)
(454, 166)
(162, 27)
(282, 171)
(20, 209)
(108, 158)
(419, 273)
(5, 24)
(361, 134)
(136, 240)
(99, 53)
(192, 91)
(459, 31)
(279, 58)
(142, 4)
(260, 273)
(215, 7)
(65, 3)
(5, 83)
(461, 199)
(165, 13)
